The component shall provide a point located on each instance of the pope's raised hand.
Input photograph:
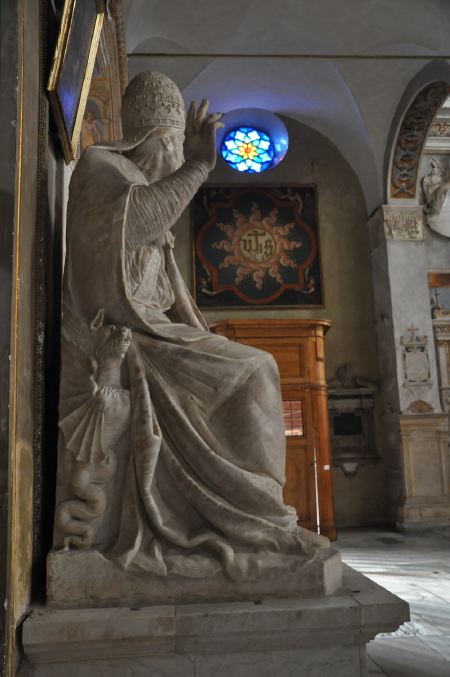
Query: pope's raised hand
(201, 127)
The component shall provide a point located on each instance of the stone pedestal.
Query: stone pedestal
(425, 453)
(86, 578)
(285, 637)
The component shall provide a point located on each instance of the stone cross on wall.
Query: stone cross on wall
(412, 333)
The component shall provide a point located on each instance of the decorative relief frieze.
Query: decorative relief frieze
(420, 407)
(440, 128)
(442, 332)
(403, 223)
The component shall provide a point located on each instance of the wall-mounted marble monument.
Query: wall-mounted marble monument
(351, 405)
(159, 499)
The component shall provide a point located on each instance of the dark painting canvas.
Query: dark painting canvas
(256, 247)
(71, 71)
(74, 65)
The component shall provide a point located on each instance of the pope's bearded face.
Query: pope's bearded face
(173, 147)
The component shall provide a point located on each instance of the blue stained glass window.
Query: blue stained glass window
(248, 150)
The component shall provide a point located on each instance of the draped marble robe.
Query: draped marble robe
(202, 446)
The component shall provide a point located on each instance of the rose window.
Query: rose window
(247, 149)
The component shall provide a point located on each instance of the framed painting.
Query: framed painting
(72, 68)
(101, 120)
(256, 247)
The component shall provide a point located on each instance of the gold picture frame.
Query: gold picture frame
(72, 68)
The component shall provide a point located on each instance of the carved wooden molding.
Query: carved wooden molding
(116, 11)
(39, 300)
(411, 138)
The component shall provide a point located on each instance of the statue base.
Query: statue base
(85, 578)
(292, 636)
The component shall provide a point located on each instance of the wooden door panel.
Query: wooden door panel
(325, 482)
(298, 487)
(288, 356)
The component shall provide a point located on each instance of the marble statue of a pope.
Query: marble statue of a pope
(172, 446)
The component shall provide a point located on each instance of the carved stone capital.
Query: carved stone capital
(440, 128)
(403, 223)
(442, 328)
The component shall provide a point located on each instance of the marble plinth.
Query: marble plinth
(286, 637)
(78, 578)
(424, 439)
(424, 513)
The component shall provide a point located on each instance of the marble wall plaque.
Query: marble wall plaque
(403, 223)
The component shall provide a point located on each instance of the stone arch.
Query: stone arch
(415, 113)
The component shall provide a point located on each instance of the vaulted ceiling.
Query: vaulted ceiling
(339, 67)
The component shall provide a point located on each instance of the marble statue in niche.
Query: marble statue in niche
(172, 442)
(437, 208)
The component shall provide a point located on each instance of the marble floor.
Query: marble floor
(416, 567)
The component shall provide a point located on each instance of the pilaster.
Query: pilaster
(415, 428)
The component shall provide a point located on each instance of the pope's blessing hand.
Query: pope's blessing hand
(200, 142)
